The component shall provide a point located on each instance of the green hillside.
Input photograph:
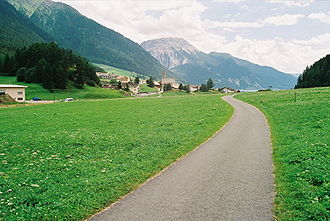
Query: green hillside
(99, 44)
(16, 30)
(36, 90)
(300, 125)
(113, 70)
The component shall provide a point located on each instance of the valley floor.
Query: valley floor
(69, 160)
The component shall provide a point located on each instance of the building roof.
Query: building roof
(12, 86)
(194, 86)
(232, 89)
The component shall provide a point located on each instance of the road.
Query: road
(229, 177)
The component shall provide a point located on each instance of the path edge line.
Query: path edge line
(272, 152)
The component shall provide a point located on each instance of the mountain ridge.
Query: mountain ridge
(17, 31)
(84, 36)
(223, 68)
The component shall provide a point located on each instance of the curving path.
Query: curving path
(227, 178)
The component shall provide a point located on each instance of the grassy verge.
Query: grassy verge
(300, 138)
(36, 90)
(66, 161)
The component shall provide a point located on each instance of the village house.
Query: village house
(175, 86)
(133, 87)
(227, 90)
(157, 84)
(106, 75)
(194, 88)
(123, 79)
(17, 92)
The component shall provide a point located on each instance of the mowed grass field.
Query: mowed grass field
(301, 139)
(66, 161)
(36, 90)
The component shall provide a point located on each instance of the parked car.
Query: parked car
(69, 99)
(36, 99)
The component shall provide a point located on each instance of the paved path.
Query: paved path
(227, 178)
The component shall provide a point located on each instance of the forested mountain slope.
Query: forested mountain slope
(86, 37)
(16, 30)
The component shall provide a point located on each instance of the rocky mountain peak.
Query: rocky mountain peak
(171, 52)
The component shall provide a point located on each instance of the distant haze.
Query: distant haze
(285, 34)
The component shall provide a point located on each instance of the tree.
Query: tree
(137, 80)
(209, 84)
(203, 88)
(317, 75)
(150, 82)
(50, 65)
(40, 71)
(7, 64)
(188, 89)
(180, 87)
(21, 74)
(167, 87)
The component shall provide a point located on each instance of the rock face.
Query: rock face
(189, 65)
(171, 52)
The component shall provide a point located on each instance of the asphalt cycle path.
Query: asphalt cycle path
(229, 177)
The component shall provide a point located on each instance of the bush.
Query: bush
(91, 83)
(79, 86)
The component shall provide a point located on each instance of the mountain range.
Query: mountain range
(86, 37)
(24, 22)
(190, 65)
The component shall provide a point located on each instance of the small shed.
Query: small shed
(17, 92)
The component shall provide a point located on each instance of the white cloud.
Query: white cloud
(291, 3)
(286, 19)
(320, 41)
(232, 24)
(184, 18)
(322, 17)
(290, 56)
(229, 1)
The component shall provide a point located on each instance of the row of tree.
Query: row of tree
(51, 66)
(206, 87)
(317, 75)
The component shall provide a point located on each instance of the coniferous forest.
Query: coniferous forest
(51, 66)
(317, 75)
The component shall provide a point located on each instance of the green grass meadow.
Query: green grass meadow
(145, 89)
(66, 161)
(300, 131)
(36, 90)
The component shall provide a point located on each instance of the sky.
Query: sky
(285, 34)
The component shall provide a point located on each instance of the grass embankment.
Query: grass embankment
(145, 89)
(36, 90)
(69, 160)
(118, 71)
(300, 138)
